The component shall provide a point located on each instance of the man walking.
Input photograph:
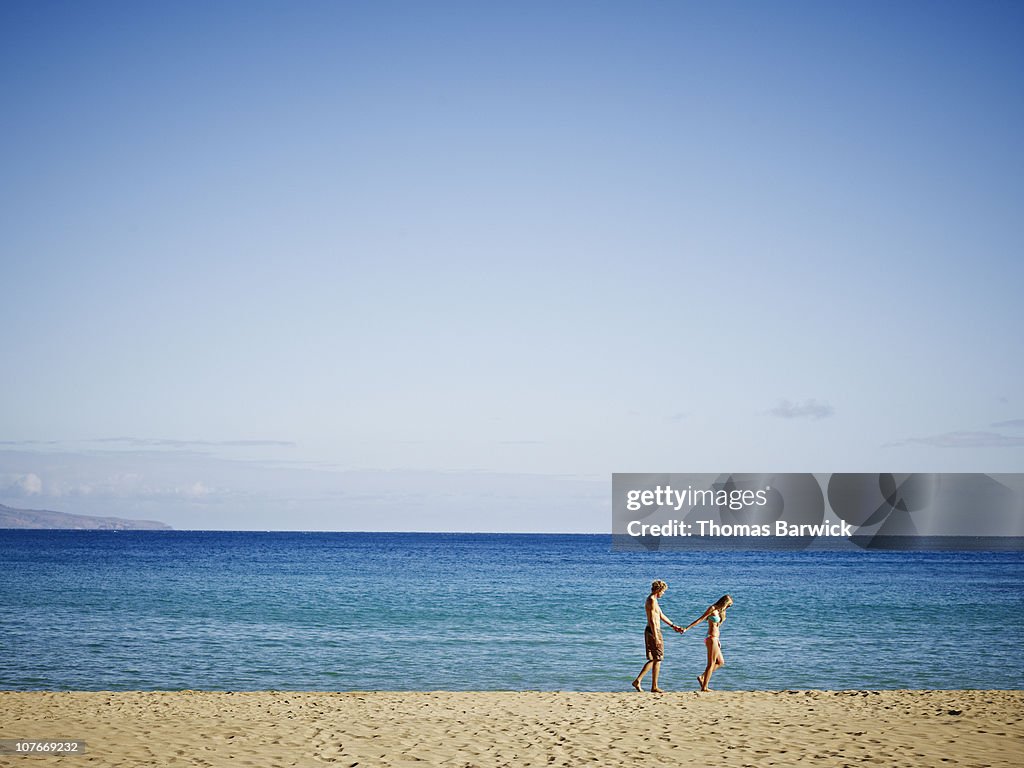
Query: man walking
(653, 640)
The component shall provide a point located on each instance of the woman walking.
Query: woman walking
(715, 617)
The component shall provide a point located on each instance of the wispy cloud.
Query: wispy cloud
(152, 442)
(963, 440)
(190, 489)
(808, 409)
(155, 442)
(21, 485)
(1011, 424)
(126, 485)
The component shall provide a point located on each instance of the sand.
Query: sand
(887, 728)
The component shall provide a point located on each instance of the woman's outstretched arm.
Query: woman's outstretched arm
(702, 617)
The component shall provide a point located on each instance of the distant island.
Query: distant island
(45, 518)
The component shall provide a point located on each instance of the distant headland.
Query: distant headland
(45, 518)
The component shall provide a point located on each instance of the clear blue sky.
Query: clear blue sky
(447, 266)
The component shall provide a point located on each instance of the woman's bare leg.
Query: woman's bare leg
(715, 660)
(706, 677)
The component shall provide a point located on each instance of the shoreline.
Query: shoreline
(521, 728)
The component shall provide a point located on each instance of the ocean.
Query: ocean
(211, 610)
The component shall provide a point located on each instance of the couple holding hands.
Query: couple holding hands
(714, 615)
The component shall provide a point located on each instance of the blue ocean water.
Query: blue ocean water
(142, 610)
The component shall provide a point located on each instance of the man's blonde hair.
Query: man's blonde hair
(658, 586)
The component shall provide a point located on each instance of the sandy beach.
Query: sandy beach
(275, 728)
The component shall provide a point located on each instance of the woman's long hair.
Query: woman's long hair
(720, 604)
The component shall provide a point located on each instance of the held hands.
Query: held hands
(680, 630)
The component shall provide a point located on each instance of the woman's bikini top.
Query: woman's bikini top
(714, 618)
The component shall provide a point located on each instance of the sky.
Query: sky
(448, 266)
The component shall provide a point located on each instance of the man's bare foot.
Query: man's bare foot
(636, 684)
(700, 681)
(656, 690)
